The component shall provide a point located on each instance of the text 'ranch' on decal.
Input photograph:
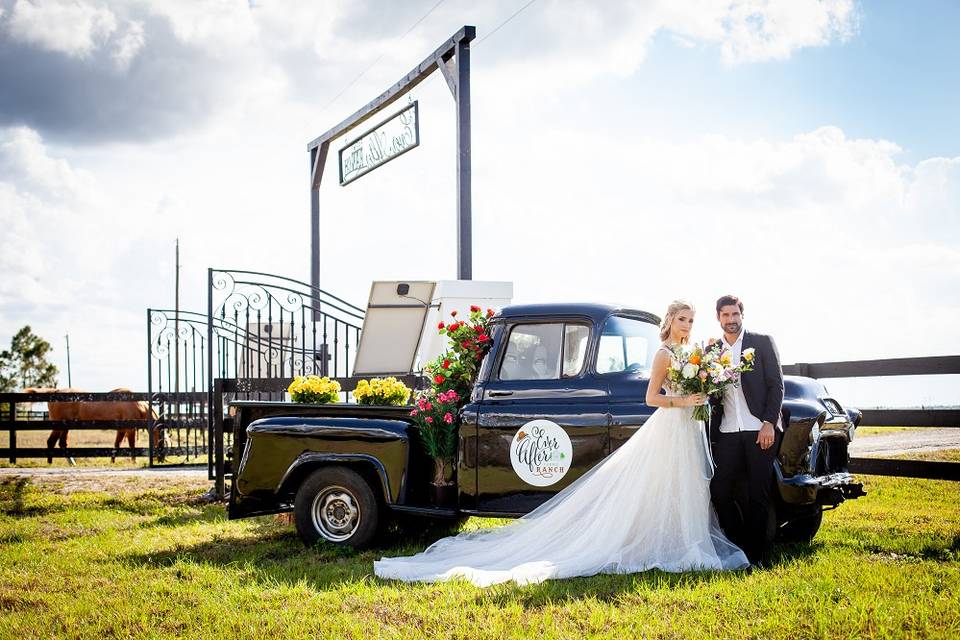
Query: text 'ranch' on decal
(541, 453)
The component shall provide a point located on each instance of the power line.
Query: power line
(499, 26)
(382, 55)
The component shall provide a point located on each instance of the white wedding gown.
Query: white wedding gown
(647, 505)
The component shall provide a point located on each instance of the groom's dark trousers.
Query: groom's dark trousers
(742, 486)
(730, 488)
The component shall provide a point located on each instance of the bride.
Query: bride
(646, 506)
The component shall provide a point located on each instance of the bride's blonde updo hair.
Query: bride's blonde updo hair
(675, 307)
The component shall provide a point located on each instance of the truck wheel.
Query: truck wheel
(801, 527)
(337, 505)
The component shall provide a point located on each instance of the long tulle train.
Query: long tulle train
(646, 506)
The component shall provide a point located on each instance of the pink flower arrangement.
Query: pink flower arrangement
(452, 376)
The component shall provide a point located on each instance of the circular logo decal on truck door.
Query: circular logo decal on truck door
(541, 453)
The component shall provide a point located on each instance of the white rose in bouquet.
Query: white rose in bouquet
(689, 371)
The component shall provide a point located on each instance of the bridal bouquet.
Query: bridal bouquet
(706, 368)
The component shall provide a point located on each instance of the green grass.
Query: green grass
(940, 455)
(863, 432)
(148, 562)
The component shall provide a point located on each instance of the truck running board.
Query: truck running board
(434, 512)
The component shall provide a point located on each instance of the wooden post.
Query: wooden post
(219, 470)
(458, 49)
(13, 433)
(318, 158)
(464, 208)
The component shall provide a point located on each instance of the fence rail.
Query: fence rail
(84, 452)
(11, 419)
(924, 365)
(922, 417)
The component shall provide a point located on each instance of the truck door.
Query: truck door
(542, 421)
(624, 359)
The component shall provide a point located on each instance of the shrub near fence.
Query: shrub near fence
(934, 365)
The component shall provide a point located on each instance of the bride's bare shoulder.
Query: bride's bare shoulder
(662, 356)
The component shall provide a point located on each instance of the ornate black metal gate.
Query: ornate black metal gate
(258, 326)
(265, 327)
(177, 383)
(269, 326)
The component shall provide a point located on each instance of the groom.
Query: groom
(745, 431)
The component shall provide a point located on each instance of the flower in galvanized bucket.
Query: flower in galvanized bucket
(314, 390)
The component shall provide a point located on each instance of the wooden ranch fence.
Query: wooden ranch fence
(934, 365)
(13, 421)
(251, 388)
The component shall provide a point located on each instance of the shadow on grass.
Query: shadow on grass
(13, 537)
(610, 587)
(928, 550)
(13, 499)
(272, 554)
(207, 513)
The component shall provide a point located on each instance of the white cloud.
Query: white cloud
(933, 198)
(72, 259)
(239, 52)
(756, 30)
(567, 44)
(25, 162)
(72, 27)
(824, 235)
(217, 27)
(128, 45)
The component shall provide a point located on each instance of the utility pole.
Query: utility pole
(176, 321)
(69, 380)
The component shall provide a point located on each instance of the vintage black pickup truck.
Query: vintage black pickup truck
(573, 376)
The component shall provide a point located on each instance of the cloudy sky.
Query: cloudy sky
(804, 155)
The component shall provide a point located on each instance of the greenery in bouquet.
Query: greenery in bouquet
(382, 391)
(452, 374)
(706, 368)
(314, 390)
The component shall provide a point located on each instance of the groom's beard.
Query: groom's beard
(733, 328)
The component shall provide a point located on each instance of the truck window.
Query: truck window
(574, 348)
(627, 344)
(544, 351)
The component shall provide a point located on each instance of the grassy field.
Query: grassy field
(942, 455)
(159, 562)
(863, 432)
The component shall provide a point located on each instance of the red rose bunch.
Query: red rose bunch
(452, 374)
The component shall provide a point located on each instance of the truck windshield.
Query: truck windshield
(627, 344)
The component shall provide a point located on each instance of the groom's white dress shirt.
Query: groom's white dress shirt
(736, 413)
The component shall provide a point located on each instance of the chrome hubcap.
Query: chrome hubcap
(336, 514)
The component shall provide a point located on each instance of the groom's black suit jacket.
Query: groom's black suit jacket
(762, 387)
